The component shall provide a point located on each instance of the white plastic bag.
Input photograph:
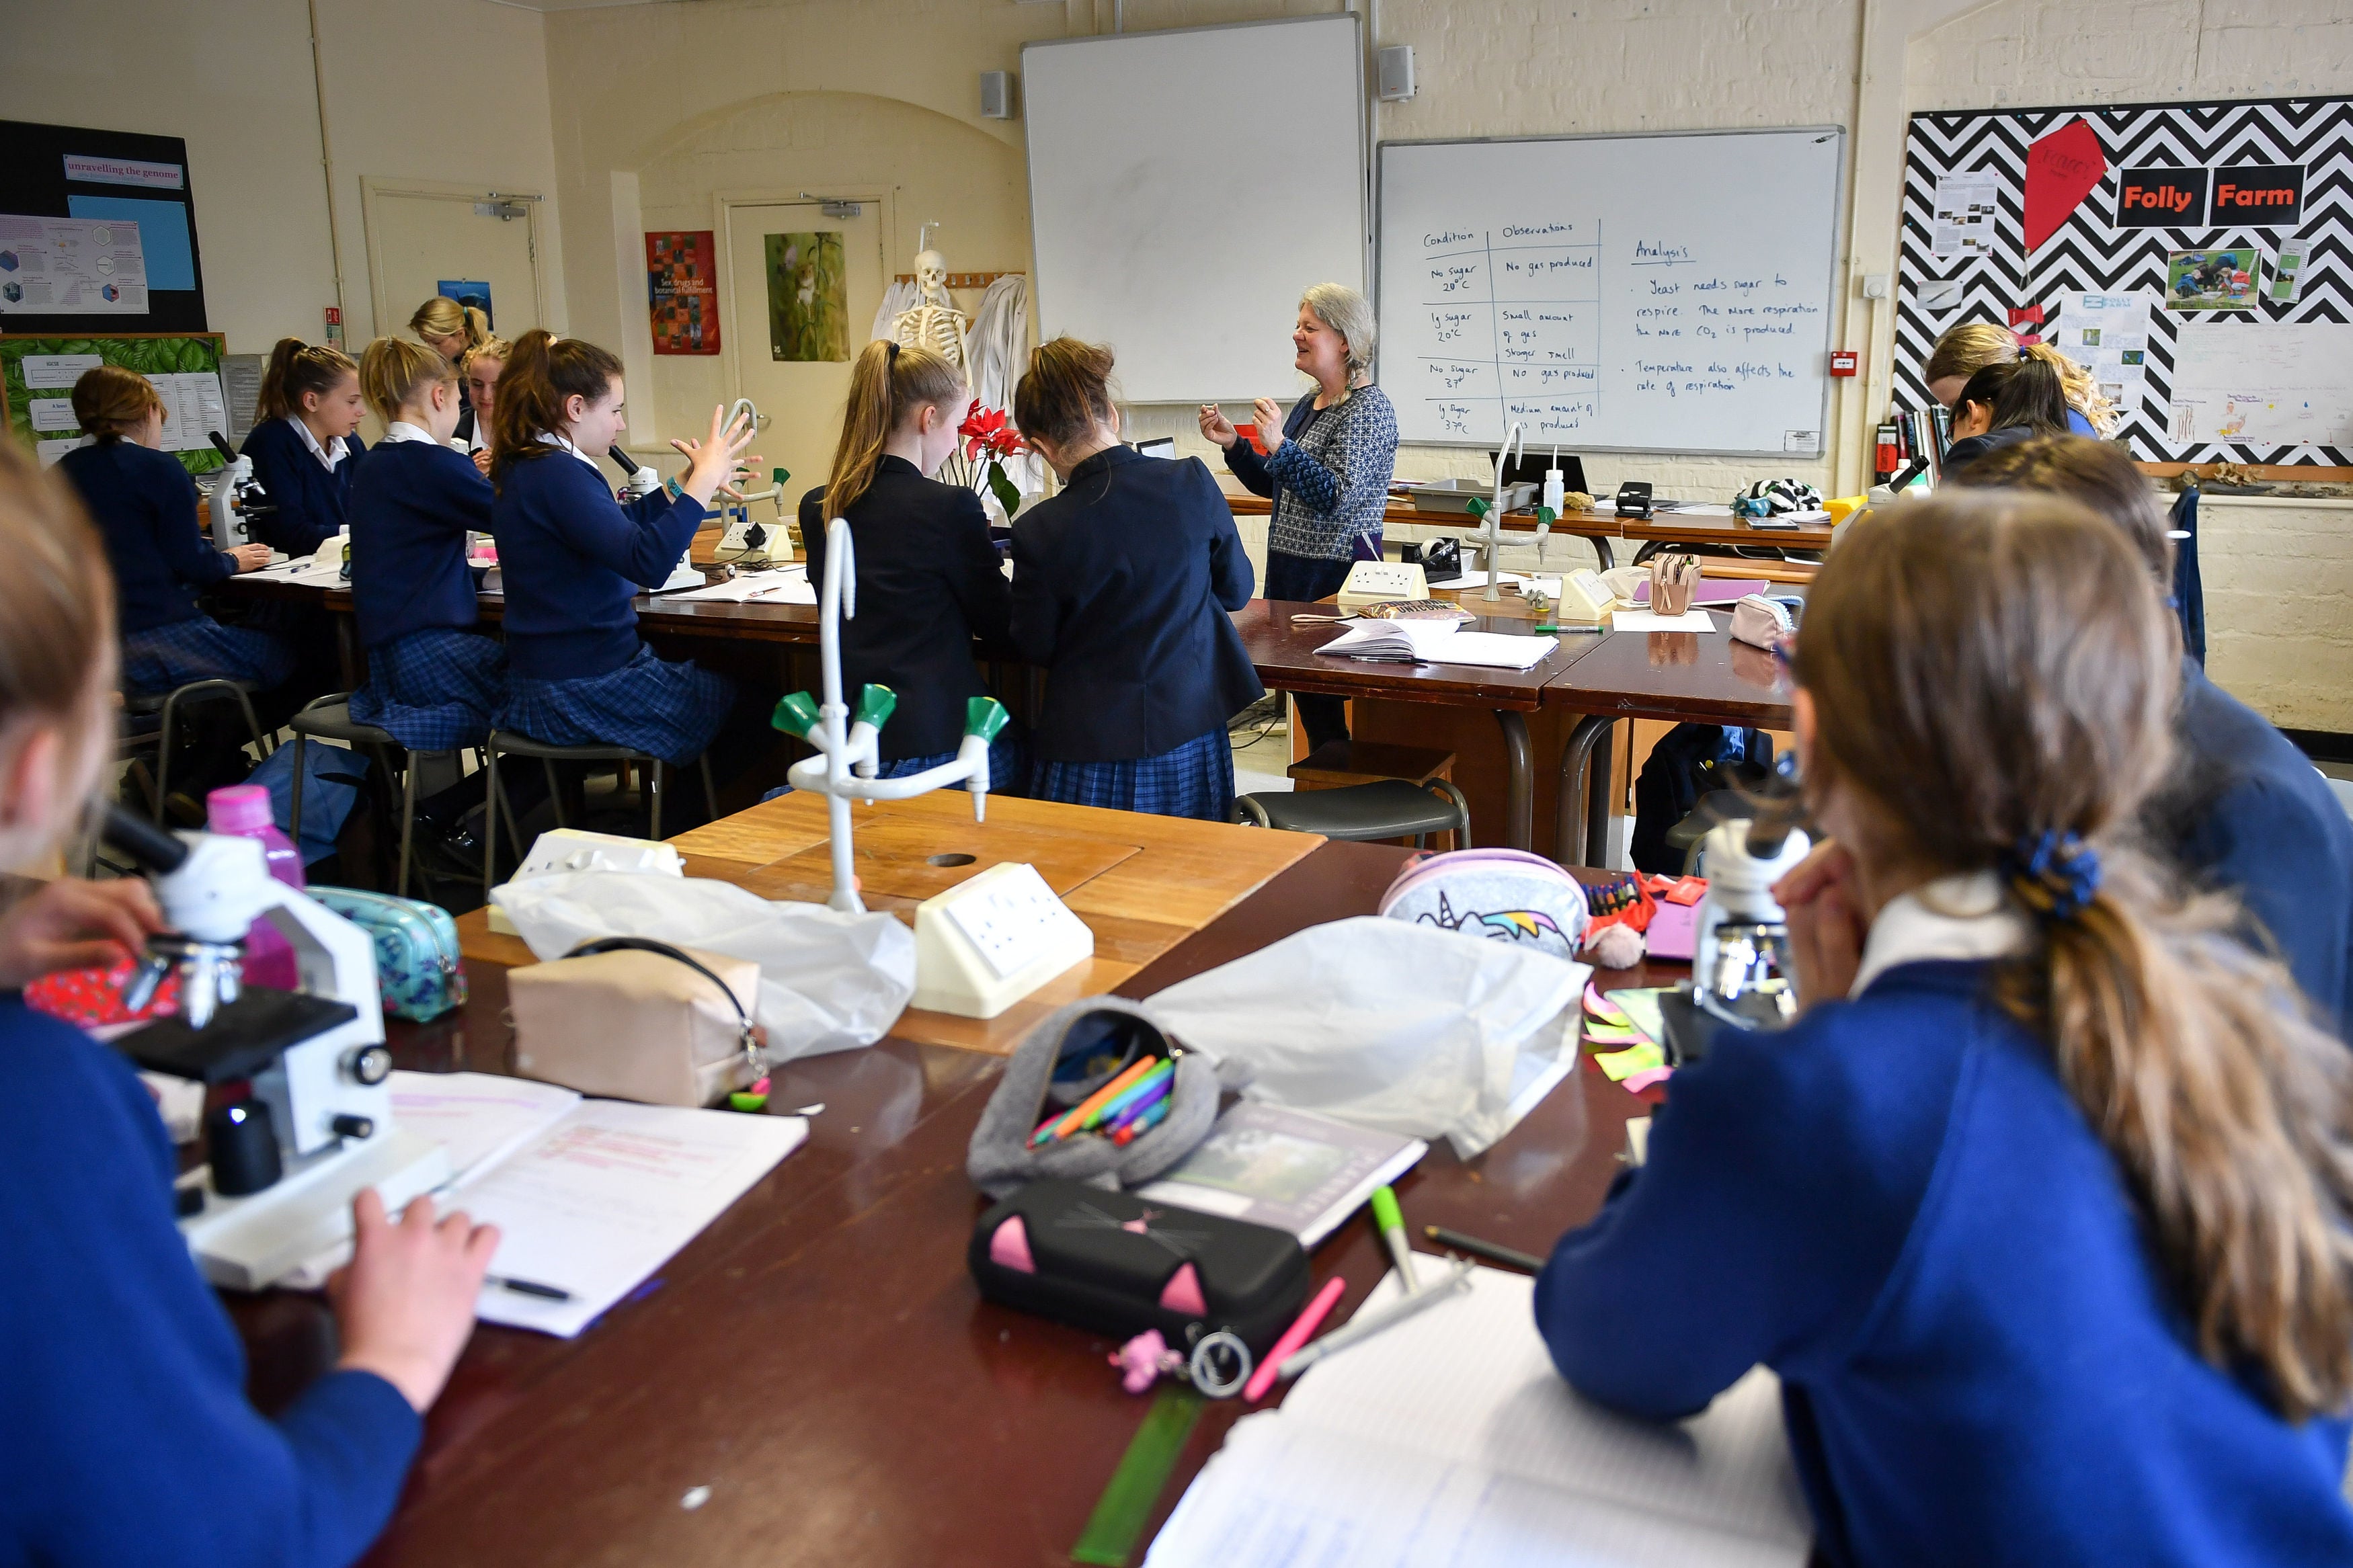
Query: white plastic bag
(1385, 1025)
(829, 982)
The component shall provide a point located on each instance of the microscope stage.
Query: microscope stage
(244, 1038)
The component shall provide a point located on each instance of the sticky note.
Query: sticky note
(1623, 1064)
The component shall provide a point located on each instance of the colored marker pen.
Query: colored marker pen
(1392, 1227)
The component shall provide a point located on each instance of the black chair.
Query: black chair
(166, 706)
(330, 719)
(1386, 808)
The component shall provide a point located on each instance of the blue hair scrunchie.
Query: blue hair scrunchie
(2054, 874)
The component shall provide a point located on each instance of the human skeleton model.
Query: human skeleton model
(935, 322)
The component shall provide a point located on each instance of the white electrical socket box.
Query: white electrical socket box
(987, 942)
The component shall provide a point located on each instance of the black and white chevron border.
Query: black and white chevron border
(2088, 254)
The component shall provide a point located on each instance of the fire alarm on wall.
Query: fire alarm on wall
(1842, 362)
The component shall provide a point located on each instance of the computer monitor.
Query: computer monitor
(1528, 468)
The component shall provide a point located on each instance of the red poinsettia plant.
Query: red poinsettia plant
(988, 433)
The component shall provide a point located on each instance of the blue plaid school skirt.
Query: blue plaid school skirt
(664, 709)
(1195, 779)
(434, 689)
(201, 648)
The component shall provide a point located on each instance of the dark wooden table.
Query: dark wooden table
(1603, 527)
(1682, 677)
(819, 1359)
(1283, 651)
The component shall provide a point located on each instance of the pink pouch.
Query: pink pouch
(1505, 894)
(1761, 622)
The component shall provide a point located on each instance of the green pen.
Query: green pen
(1392, 1228)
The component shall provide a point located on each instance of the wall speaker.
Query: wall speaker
(1397, 72)
(996, 95)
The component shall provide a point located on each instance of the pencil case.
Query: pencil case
(418, 966)
(1114, 1263)
(1079, 1049)
(1501, 895)
(631, 1018)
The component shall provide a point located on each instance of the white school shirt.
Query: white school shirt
(402, 430)
(1968, 917)
(567, 446)
(329, 455)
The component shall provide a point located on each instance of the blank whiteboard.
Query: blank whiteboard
(1157, 222)
(1664, 293)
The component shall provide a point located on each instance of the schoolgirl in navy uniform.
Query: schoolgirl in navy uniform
(1122, 585)
(2244, 810)
(2040, 1208)
(2008, 402)
(129, 1438)
(572, 559)
(146, 509)
(307, 444)
(432, 681)
(477, 373)
(929, 581)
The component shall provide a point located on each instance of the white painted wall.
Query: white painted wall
(452, 91)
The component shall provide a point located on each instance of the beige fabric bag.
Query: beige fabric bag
(630, 1019)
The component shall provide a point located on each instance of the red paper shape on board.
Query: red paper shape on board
(2061, 169)
(2023, 320)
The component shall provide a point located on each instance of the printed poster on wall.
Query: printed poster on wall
(69, 266)
(2221, 277)
(808, 297)
(682, 292)
(1964, 222)
(474, 293)
(2108, 335)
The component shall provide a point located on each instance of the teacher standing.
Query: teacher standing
(1327, 467)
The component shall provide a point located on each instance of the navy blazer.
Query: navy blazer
(311, 499)
(1122, 585)
(2252, 816)
(144, 504)
(928, 583)
(412, 504)
(572, 560)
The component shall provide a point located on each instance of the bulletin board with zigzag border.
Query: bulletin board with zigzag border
(2088, 253)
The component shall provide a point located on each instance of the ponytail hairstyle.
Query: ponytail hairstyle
(2096, 475)
(442, 317)
(541, 373)
(110, 401)
(1968, 348)
(2022, 390)
(888, 385)
(57, 648)
(297, 369)
(397, 372)
(1993, 677)
(1066, 392)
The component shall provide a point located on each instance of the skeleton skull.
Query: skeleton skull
(932, 276)
(935, 324)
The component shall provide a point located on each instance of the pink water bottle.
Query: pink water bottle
(243, 811)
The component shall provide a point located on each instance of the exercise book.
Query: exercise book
(1449, 1439)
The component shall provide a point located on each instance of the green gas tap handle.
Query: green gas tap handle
(876, 704)
(1547, 516)
(984, 717)
(796, 715)
(1477, 506)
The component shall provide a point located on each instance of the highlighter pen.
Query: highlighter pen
(1149, 1095)
(1392, 1229)
(1144, 1123)
(1128, 1099)
(1364, 1326)
(1067, 1122)
(1293, 1337)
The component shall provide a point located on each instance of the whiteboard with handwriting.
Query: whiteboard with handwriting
(1635, 293)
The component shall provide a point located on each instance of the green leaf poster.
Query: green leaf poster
(808, 297)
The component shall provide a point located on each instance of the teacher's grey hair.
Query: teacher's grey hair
(1350, 314)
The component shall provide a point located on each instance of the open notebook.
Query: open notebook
(1451, 1440)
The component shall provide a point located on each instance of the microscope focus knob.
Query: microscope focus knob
(371, 1065)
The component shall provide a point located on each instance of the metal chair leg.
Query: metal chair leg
(1462, 808)
(555, 798)
(164, 760)
(654, 788)
(496, 799)
(302, 758)
(408, 821)
(1250, 813)
(710, 790)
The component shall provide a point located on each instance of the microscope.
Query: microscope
(303, 1115)
(1739, 951)
(238, 499)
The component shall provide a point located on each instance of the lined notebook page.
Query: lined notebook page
(1450, 1438)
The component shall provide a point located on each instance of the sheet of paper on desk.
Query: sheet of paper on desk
(479, 1117)
(1497, 650)
(1692, 620)
(606, 1194)
(1453, 1432)
(784, 585)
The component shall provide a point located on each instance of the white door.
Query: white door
(418, 240)
(804, 288)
